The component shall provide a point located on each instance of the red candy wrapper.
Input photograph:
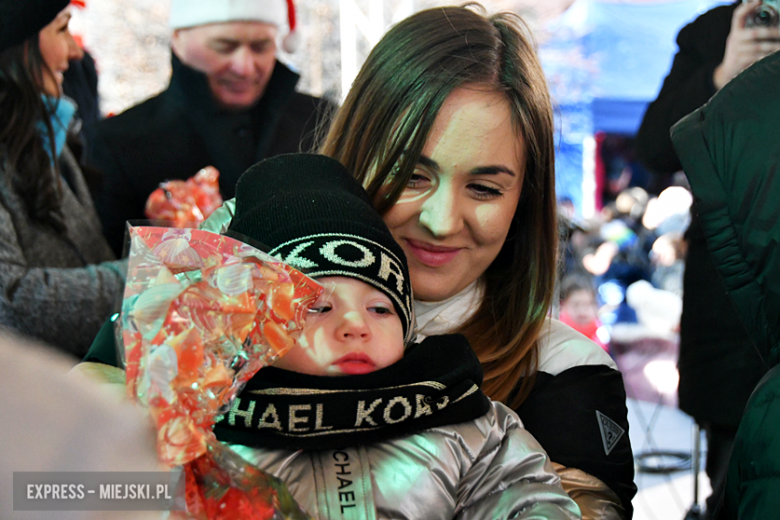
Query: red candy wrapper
(201, 314)
(186, 204)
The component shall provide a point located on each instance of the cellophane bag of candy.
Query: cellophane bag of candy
(201, 314)
(186, 204)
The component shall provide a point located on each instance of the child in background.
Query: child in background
(579, 308)
(408, 433)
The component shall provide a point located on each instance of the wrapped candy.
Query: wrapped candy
(201, 314)
(186, 204)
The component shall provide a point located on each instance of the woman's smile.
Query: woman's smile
(429, 254)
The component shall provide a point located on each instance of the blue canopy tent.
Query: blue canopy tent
(605, 62)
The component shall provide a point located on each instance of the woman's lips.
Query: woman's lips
(430, 255)
(355, 364)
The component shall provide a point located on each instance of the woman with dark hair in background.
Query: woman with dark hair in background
(57, 284)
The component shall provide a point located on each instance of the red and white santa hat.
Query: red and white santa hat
(191, 13)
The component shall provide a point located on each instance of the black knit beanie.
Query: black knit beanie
(21, 19)
(313, 215)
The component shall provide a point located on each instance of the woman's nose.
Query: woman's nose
(353, 326)
(75, 52)
(439, 212)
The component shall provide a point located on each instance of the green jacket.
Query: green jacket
(730, 151)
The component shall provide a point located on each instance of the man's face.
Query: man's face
(237, 57)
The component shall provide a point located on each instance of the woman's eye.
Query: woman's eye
(417, 180)
(483, 191)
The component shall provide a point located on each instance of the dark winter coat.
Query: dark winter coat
(181, 130)
(730, 151)
(718, 365)
(701, 46)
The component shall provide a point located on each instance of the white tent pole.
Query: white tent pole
(352, 19)
(348, 45)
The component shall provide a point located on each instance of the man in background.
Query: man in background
(230, 103)
(718, 364)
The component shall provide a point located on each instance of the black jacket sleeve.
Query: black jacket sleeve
(688, 86)
(580, 418)
(118, 201)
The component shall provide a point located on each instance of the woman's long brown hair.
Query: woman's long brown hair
(35, 176)
(379, 134)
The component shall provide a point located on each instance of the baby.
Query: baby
(406, 432)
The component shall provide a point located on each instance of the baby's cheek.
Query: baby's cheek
(304, 340)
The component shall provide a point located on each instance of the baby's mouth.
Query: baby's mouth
(355, 363)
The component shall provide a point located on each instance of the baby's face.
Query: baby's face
(352, 329)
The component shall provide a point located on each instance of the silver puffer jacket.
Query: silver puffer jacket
(489, 468)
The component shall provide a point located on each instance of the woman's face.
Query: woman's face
(57, 47)
(454, 215)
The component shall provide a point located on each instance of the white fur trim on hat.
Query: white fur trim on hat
(191, 13)
(281, 13)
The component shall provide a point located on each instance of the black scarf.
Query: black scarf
(435, 384)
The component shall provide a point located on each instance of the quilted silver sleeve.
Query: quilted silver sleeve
(512, 476)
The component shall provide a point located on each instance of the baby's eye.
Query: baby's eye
(381, 309)
(320, 308)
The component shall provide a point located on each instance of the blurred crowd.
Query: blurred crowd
(621, 272)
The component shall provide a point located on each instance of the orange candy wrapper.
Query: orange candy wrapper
(186, 204)
(201, 314)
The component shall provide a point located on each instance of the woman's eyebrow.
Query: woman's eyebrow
(480, 170)
(492, 170)
(429, 163)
